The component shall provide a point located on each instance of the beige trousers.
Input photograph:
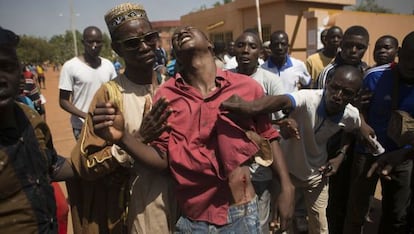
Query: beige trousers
(316, 196)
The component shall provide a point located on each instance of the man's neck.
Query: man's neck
(92, 61)
(279, 61)
(200, 72)
(329, 52)
(246, 70)
(139, 76)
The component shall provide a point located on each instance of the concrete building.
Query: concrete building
(166, 29)
(303, 20)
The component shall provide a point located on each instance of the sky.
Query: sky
(45, 18)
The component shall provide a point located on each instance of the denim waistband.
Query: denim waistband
(238, 211)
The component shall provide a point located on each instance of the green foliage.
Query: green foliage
(371, 6)
(63, 46)
(32, 49)
(107, 51)
(216, 4)
(58, 49)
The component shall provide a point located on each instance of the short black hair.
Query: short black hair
(323, 33)
(356, 73)
(255, 35)
(357, 30)
(408, 41)
(276, 33)
(392, 38)
(8, 42)
(90, 28)
(8, 38)
(333, 28)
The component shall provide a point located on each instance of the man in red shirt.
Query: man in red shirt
(207, 150)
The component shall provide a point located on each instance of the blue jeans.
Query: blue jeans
(240, 219)
(264, 197)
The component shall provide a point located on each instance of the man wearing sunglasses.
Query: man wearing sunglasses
(120, 193)
(81, 76)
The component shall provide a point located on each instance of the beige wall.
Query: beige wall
(301, 19)
(204, 20)
(377, 25)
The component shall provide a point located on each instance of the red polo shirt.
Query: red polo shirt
(204, 144)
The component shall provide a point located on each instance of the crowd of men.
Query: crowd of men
(243, 140)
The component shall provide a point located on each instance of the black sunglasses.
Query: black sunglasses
(133, 43)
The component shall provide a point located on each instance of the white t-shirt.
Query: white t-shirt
(272, 85)
(229, 62)
(83, 81)
(293, 73)
(305, 156)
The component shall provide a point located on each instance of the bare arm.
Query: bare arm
(143, 153)
(264, 105)
(333, 164)
(286, 198)
(109, 125)
(386, 162)
(63, 170)
(66, 104)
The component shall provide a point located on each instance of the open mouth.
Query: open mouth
(183, 38)
(244, 59)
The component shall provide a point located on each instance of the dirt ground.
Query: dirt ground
(59, 123)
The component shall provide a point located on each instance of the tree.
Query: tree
(34, 50)
(63, 46)
(371, 6)
(216, 4)
(57, 50)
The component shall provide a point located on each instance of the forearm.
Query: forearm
(143, 153)
(279, 166)
(63, 170)
(346, 141)
(69, 107)
(270, 104)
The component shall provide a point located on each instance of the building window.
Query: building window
(266, 32)
(222, 36)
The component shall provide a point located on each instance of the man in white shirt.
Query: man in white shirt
(81, 77)
(319, 115)
(292, 71)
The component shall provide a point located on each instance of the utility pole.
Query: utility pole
(72, 26)
(259, 21)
